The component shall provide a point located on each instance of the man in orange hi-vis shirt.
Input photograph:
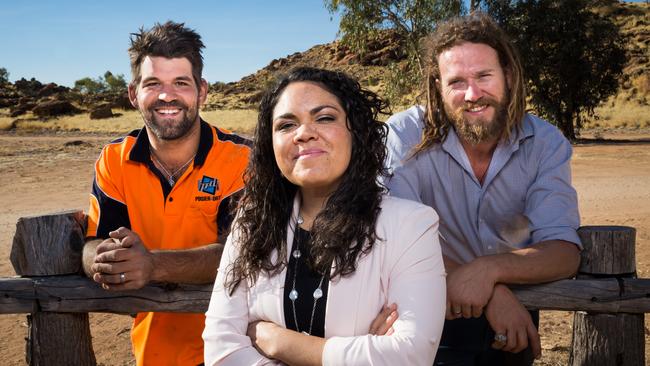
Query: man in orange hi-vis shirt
(159, 206)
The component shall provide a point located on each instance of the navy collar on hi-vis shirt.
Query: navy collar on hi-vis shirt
(141, 151)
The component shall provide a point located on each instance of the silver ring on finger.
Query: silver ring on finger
(122, 277)
(500, 338)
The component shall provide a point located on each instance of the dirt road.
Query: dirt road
(48, 173)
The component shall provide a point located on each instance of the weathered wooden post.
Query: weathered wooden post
(44, 246)
(607, 339)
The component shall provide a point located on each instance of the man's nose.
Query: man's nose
(473, 92)
(167, 94)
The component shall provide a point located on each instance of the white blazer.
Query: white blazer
(404, 267)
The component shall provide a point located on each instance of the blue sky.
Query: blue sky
(62, 41)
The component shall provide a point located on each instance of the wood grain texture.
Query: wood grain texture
(59, 339)
(17, 295)
(608, 250)
(607, 339)
(610, 339)
(49, 244)
(73, 293)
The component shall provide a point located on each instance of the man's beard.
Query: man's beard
(479, 130)
(169, 128)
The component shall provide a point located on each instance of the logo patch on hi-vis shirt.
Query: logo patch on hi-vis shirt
(208, 185)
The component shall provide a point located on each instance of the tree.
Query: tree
(411, 19)
(573, 58)
(363, 20)
(89, 86)
(108, 83)
(4, 76)
(115, 83)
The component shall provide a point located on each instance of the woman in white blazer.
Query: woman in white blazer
(317, 249)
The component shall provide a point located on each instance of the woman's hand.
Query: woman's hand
(263, 336)
(266, 337)
(288, 346)
(383, 323)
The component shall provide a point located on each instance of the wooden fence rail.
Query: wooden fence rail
(77, 294)
(608, 300)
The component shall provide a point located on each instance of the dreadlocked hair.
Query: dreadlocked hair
(474, 28)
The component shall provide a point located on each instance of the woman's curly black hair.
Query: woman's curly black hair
(345, 229)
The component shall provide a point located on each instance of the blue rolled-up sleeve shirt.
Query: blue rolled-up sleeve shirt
(526, 197)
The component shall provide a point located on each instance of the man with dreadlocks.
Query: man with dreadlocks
(500, 180)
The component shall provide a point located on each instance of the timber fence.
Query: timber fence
(608, 300)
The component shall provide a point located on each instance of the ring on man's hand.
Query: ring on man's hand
(122, 277)
(500, 338)
(457, 312)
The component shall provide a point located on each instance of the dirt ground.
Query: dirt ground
(52, 172)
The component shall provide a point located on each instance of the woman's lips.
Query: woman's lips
(309, 153)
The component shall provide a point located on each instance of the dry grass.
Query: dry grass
(619, 112)
(238, 120)
(6, 123)
(241, 121)
(642, 84)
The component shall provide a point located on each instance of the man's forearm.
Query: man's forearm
(196, 265)
(88, 255)
(470, 286)
(541, 262)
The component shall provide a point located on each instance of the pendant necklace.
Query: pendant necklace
(293, 295)
(171, 176)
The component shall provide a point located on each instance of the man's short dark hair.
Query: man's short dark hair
(169, 40)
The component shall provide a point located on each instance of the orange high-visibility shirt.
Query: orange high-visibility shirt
(129, 191)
